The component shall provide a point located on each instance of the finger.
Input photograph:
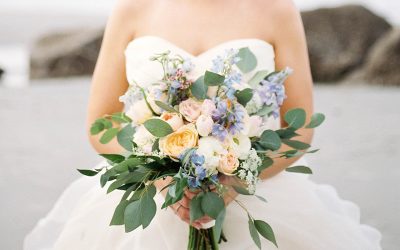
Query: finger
(204, 219)
(191, 194)
(185, 202)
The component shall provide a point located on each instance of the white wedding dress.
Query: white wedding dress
(304, 215)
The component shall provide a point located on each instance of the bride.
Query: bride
(304, 215)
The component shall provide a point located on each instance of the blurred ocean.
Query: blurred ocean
(22, 21)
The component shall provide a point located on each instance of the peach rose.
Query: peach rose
(174, 144)
(173, 119)
(190, 109)
(228, 164)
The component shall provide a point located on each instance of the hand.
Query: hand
(228, 182)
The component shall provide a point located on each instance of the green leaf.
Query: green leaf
(141, 212)
(213, 79)
(199, 88)
(218, 224)
(158, 127)
(195, 208)
(299, 169)
(261, 198)
(316, 120)
(258, 77)
(114, 158)
(295, 118)
(296, 144)
(156, 145)
(87, 172)
(108, 135)
(241, 190)
(265, 230)
(248, 60)
(244, 96)
(266, 163)
(254, 233)
(286, 133)
(96, 128)
(212, 204)
(166, 107)
(125, 137)
(120, 118)
(118, 216)
(270, 140)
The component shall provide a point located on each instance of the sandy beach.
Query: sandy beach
(44, 141)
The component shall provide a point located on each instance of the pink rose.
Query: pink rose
(190, 109)
(173, 119)
(228, 164)
(204, 125)
(207, 107)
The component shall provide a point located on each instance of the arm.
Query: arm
(291, 51)
(109, 79)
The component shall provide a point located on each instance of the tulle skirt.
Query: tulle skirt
(304, 216)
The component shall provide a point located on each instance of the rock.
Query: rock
(65, 54)
(339, 39)
(383, 62)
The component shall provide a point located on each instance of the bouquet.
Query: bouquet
(196, 132)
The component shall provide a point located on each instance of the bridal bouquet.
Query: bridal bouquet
(198, 131)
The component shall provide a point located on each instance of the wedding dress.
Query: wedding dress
(304, 215)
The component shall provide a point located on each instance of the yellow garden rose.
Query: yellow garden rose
(177, 142)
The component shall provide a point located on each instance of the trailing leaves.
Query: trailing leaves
(118, 216)
(254, 233)
(299, 169)
(265, 230)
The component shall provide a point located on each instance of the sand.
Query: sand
(43, 141)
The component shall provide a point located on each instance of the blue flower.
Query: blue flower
(193, 182)
(197, 160)
(219, 132)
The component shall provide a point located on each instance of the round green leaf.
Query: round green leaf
(248, 60)
(199, 89)
(125, 137)
(108, 135)
(296, 144)
(244, 96)
(213, 79)
(158, 127)
(270, 140)
(295, 118)
(212, 204)
(316, 120)
(195, 208)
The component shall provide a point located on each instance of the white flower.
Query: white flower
(173, 119)
(255, 124)
(204, 125)
(207, 107)
(212, 149)
(156, 93)
(240, 146)
(144, 139)
(139, 112)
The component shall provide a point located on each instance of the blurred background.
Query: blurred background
(47, 52)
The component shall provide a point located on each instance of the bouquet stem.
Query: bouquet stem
(202, 239)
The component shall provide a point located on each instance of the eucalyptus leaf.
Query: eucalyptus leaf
(270, 140)
(296, 144)
(212, 204)
(108, 135)
(248, 60)
(244, 96)
(316, 120)
(265, 230)
(196, 211)
(96, 128)
(258, 77)
(261, 198)
(254, 233)
(286, 133)
(125, 137)
(266, 163)
(87, 172)
(241, 190)
(120, 118)
(166, 107)
(265, 111)
(199, 88)
(213, 79)
(299, 169)
(295, 118)
(218, 224)
(114, 158)
(158, 127)
(118, 216)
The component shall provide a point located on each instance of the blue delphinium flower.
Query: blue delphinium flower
(187, 65)
(219, 131)
(193, 182)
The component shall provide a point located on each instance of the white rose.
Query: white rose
(144, 139)
(255, 126)
(139, 112)
(240, 145)
(204, 125)
(212, 149)
(173, 119)
(207, 107)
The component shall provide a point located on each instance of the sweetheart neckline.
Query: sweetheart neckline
(205, 52)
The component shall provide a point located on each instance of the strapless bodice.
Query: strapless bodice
(141, 70)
